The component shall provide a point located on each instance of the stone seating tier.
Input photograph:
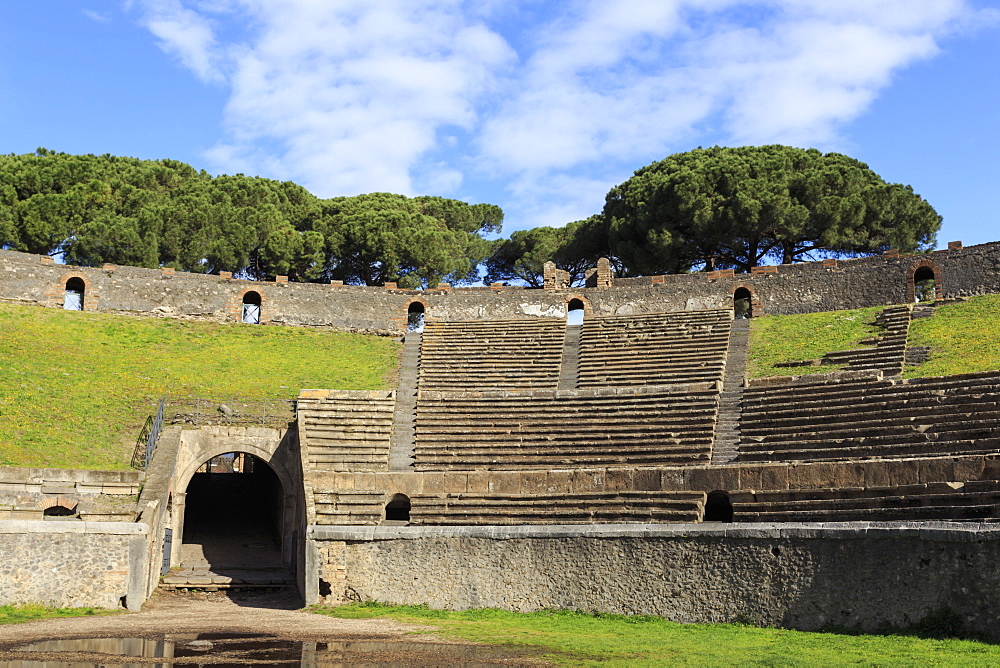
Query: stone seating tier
(519, 429)
(654, 349)
(500, 354)
(972, 500)
(872, 418)
(348, 507)
(579, 508)
(347, 431)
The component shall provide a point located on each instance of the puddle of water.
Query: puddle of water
(219, 649)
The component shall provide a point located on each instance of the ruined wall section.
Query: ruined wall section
(73, 563)
(807, 577)
(795, 288)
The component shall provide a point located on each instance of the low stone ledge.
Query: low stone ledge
(815, 379)
(931, 531)
(73, 526)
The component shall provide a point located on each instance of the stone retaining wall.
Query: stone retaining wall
(795, 288)
(73, 563)
(801, 576)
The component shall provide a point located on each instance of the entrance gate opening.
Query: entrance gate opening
(233, 515)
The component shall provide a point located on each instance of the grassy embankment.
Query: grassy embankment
(573, 638)
(75, 388)
(964, 338)
(29, 612)
(797, 338)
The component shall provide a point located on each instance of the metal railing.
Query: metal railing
(145, 444)
(200, 411)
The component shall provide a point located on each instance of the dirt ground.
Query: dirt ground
(181, 615)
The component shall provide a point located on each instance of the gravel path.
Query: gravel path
(172, 615)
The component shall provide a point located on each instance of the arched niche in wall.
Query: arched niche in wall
(718, 507)
(251, 310)
(745, 302)
(924, 282)
(75, 294)
(416, 312)
(398, 509)
(576, 309)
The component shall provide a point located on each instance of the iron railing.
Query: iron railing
(200, 411)
(145, 444)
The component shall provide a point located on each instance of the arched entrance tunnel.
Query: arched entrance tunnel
(233, 515)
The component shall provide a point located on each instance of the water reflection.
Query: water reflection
(215, 649)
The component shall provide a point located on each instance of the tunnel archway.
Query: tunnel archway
(234, 516)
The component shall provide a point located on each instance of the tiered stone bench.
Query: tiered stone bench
(860, 414)
(889, 350)
(488, 354)
(649, 425)
(345, 430)
(562, 508)
(654, 349)
(345, 507)
(972, 500)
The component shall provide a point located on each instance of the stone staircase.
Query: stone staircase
(888, 351)
(727, 430)
(401, 444)
(569, 372)
(232, 579)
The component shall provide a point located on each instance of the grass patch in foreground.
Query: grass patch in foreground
(797, 338)
(76, 387)
(964, 338)
(576, 638)
(28, 612)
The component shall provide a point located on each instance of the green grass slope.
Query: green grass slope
(75, 387)
(963, 337)
(581, 639)
(796, 338)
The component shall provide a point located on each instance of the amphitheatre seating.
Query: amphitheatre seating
(889, 350)
(654, 349)
(581, 508)
(491, 354)
(346, 430)
(523, 429)
(348, 507)
(861, 415)
(973, 500)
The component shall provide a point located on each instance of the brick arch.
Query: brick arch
(587, 311)
(911, 286)
(756, 307)
(402, 320)
(54, 501)
(235, 306)
(57, 293)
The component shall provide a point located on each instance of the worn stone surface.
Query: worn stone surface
(796, 288)
(806, 577)
(67, 564)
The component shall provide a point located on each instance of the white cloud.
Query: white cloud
(349, 96)
(96, 16)
(185, 34)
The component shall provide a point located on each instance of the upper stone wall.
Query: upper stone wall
(796, 288)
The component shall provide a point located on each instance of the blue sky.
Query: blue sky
(539, 107)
